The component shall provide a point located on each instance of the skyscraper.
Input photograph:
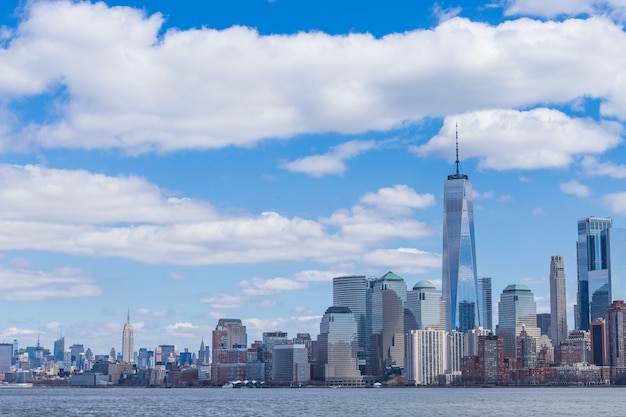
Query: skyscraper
(558, 302)
(616, 333)
(354, 292)
(516, 310)
(427, 306)
(459, 253)
(593, 268)
(128, 341)
(485, 304)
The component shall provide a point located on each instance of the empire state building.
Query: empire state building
(459, 279)
(128, 340)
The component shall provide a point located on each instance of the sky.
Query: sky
(186, 161)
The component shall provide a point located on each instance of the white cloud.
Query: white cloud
(184, 330)
(32, 285)
(222, 301)
(592, 166)
(404, 260)
(616, 202)
(259, 286)
(311, 275)
(445, 14)
(399, 197)
(511, 139)
(12, 332)
(555, 8)
(331, 163)
(575, 188)
(125, 87)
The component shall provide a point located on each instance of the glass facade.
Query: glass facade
(459, 255)
(337, 345)
(593, 267)
(485, 304)
(427, 306)
(617, 263)
(517, 310)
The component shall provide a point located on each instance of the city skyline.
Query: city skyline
(190, 162)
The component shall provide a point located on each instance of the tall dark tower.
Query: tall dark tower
(459, 277)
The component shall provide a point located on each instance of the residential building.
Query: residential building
(558, 301)
(426, 359)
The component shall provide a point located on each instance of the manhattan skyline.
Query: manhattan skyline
(196, 161)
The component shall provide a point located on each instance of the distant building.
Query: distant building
(290, 365)
(558, 301)
(616, 334)
(426, 359)
(598, 342)
(6, 356)
(230, 333)
(59, 349)
(427, 306)
(337, 360)
(543, 322)
(165, 354)
(128, 341)
(526, 350)
(203, 354)
(592, 251)
(516, 309)
(355, 293)
(485, 304)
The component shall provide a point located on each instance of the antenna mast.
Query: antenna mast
(457, 149)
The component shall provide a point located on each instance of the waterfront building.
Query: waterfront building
(459, 253)
(593, 269)
(290, 365)
(558, 301)
(354, 292)
(271, 339)
(426, 360)
(128, 341)
(427, 306)
(516, 309)
(337, 360)
(387, 340)
(6, 356)
(485, 304)
(616, 334)
(488, 366)
(598, 342)
(456, 351)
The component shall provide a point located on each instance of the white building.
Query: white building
(426, 356)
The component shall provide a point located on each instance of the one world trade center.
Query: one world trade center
(459, 280)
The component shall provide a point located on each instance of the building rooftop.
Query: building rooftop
(338, 310)
(424, 285)
(390, 276)
(517, 287)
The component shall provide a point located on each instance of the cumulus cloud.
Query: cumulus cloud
(592, 166)
(122, 85)
(399, 197)
(32, 285)
(185, 330)
(575, 188)
(616, 202)
(222, 301)
(259, 286)
(311, 275)
(512, 139)
(555, 8)
(404, 260)
(331, 163)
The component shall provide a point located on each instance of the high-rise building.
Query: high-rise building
(59, 349)
(426, 356)
(517, 310)
(229, 333)
(337, 347)
(203, 354)
(616, 333)
(526, 350)
(558, 302)
(427, 307)
(459, 253)
(598, 342)
(6, 356)
(128, 342)
(617, 263)
(290, 364)
(485, 303)
(354, 292)
(387, 340)
(544, 321)
(593, 269)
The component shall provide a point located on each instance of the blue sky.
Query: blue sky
(196, 160)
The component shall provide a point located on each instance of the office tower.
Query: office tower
(203, 354)
(593, 268)
(459, 253)
(271, 339)
(616, 333)
(142, 359)
(164, 354)
(558, 302)
(59, 349)
(354, 292)
(290, 365)
(426, 356)
(427, 307)
(229, 333)
(516, 309)
(484, 303)
(617, 263)
(128, 341)
(6, 356)
(15, 351)
(598, 342)
(543, 322)
(387, 340)
(337, 347)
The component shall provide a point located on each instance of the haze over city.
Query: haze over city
(197, 160)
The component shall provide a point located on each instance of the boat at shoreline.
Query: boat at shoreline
(16, 385)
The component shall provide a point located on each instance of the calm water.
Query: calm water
(343, 402)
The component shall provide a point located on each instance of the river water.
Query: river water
(342, 402)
